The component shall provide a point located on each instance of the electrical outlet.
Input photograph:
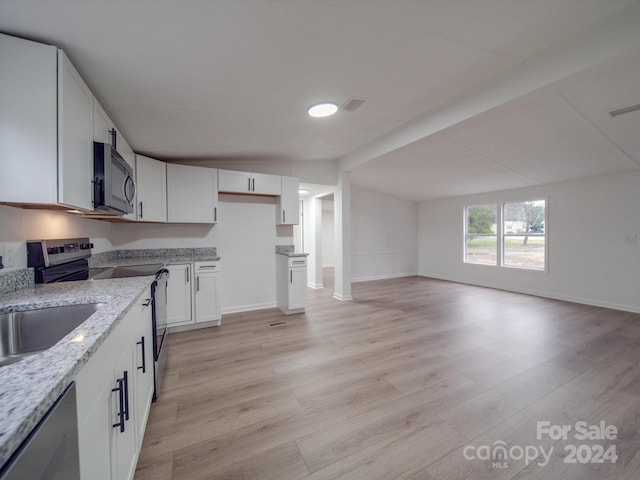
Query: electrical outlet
(10, 250)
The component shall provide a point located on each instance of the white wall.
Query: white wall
(323, 172)
(245, 238)
(383, 235)
(328, 232)
(593, 234)
(18, 225)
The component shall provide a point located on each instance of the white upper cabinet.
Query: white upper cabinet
(288, 211)
(102, 124)
(151, 179)
(251, 183)
(47, 151)
(263, 184)
(234, 182)
(192, 194)
(75, 146)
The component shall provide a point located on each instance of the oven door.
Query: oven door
(159, 319)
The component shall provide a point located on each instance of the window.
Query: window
(481, 244)
(523, 235)
(521, 228)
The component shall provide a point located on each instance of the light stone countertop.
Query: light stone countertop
(30, 387)
(168, 260)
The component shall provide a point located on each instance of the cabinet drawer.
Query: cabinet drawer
(297, 262)
(204, 267)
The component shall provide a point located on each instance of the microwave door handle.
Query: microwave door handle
(124, 187)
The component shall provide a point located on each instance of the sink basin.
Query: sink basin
(32, 331)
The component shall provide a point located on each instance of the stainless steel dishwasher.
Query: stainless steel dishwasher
(50, 452)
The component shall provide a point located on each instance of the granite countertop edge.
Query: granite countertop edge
(165, 260)
(31, 386)
(292, 254)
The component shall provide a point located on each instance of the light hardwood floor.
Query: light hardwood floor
(396, 384)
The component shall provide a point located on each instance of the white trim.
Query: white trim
(339, 297)
(248, 308)
(383, 277)
(539, 293)
(315, 286)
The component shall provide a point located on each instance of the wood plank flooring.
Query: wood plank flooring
(396, 385)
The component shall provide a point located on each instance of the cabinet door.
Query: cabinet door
(179, 294)
(297, 288)
(234, 182)
(143, 358)
(102, 124)
(262, 184)
(124, 450)
(288, 210)
(28, 104)
(191, 194)
(75, 137)
(151, 178)
(94, 436)
(207, 304)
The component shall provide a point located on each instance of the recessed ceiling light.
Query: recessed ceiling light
(324, 109)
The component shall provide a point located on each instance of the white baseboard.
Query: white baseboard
(383, 277)
(315, 286)
(248, 308)
(342, 298)
(540, 293)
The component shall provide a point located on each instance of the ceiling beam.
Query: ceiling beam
(606, 39)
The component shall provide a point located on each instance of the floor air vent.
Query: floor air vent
(278, 324)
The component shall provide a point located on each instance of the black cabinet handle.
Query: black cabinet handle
(144, 357)
(253, 189)
(197, 283)
(141, 216)
(120, 390)
(215, 214)
(126, 395)
(284, 216)
(147, 302)
(249, 185)
(291, 276)
(187, 275)
(114, 138)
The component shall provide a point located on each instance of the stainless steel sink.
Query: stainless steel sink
(31, 331)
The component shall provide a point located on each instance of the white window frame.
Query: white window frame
(500, 235)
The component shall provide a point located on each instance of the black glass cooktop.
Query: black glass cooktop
(128, 271)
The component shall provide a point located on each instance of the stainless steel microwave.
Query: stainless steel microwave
(114, 188)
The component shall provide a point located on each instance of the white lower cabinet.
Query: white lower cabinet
(179, 294)
(206, 292)
(291, 283)
(113, 398)
(124, 454)
(193, 299)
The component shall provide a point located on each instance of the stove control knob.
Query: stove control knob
(86, 246)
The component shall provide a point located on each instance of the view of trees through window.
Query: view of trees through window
(521, 230)
(481, 242)
(524, 234)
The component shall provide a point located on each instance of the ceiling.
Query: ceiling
(232, 80)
